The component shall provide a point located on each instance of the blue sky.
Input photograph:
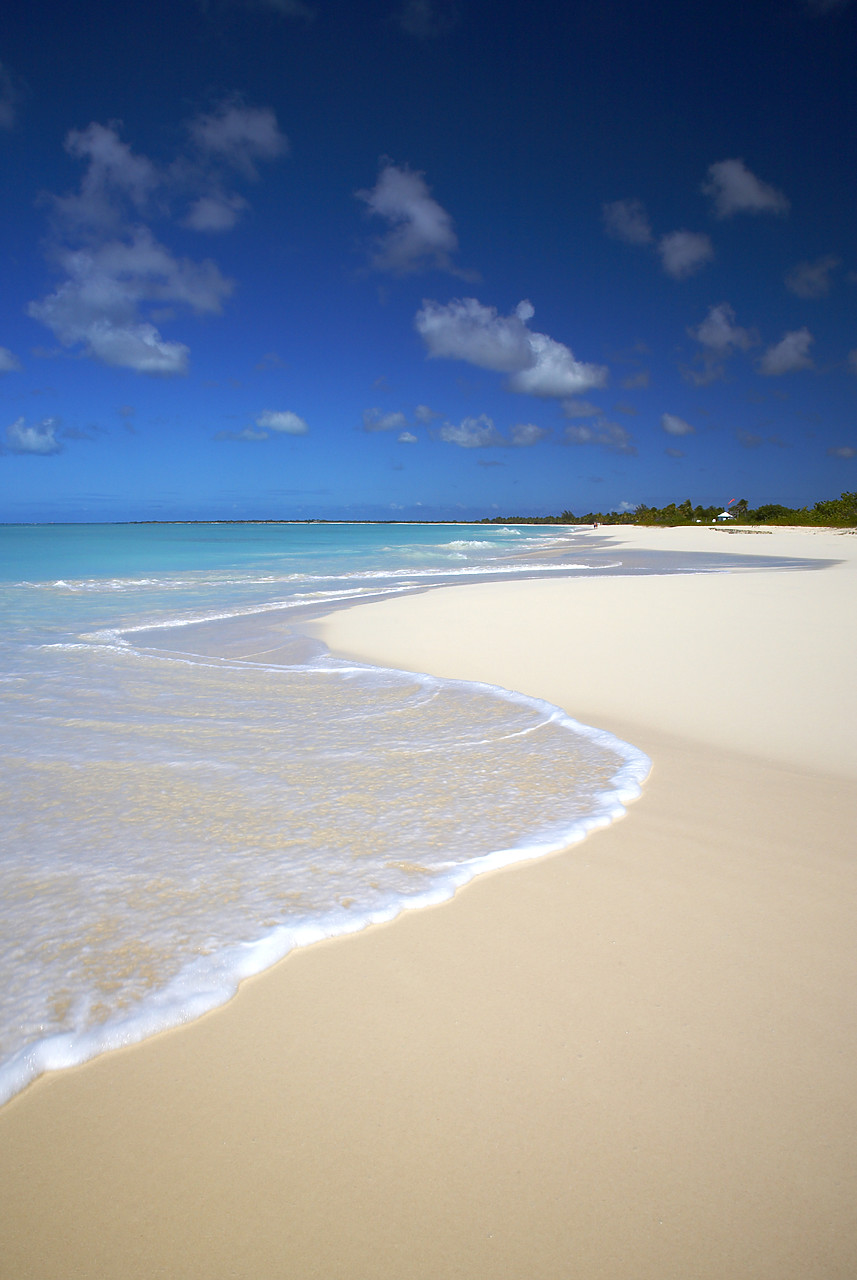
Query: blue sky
(421, 259)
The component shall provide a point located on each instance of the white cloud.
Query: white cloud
(426, 19)
(675, 426)
(852, 360)
(575, 408)
(375, 420)
(719, 332)
(843, 451)
(119, 282)
(98, 304)
(608, 435)
(407, 437)
(734, 189)
(719, 336)
(239, 135)
(472, 433)
(464, 329)
(425, 415)
(282, 420)
(288, 8)
(523, 434)
(40, 438)
(627, 220)
(812, 279)
(790, 353)
(248, 434)
(115, 179)
(218, 212)
(421, 233)
(684, 252)
(9, 362)
(555, 372)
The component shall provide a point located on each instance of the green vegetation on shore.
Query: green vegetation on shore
(838, 512)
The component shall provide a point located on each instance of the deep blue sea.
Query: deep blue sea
(174, 817)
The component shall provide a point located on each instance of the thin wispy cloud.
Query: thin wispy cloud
(812, 279)
(426, 19)
(576, 408)
(10, 96)
(9, 362)
(465, 329)
(601, 432)
(734, 189)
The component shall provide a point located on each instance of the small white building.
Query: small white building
(725, 515)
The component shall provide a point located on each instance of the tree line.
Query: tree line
(838, 512)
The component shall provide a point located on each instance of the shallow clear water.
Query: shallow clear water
(174, 817)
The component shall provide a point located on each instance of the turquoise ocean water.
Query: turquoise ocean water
(191, 787)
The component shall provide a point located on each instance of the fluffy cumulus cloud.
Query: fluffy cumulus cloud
(239, 136)
(407, 437)
(608, 435)
(789, 354)
(627, 220)
(719, 332)
(675, 426)
(98, 305)
(425, 415)
(683, 253)
(375, 420)
(523, 434)
(118, 281)
(734, 189)
(481, 433)
(464, 329)
(719, 336)
(472, 433)
(812, 279)
(421, 233)
(9, 362)
(40, 438)
(283, 421)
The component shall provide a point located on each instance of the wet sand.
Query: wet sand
(634, 1060)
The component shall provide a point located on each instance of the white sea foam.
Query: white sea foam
(179, 823)
(171, 822)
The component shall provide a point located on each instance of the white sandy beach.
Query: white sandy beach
(632, 1061)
